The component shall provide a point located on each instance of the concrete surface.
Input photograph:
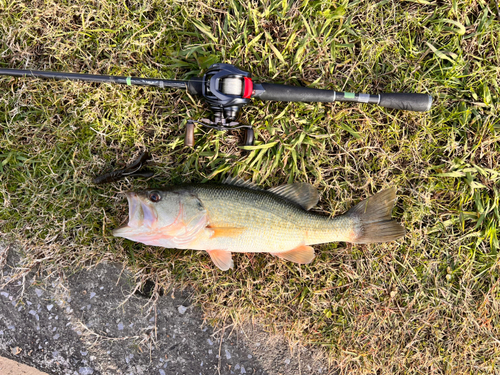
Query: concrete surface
(91, 323)
(9, 367)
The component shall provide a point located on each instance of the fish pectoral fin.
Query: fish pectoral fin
(225, 231)
(221, 259)
(302, 254)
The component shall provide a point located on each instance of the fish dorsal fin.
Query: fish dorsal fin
(221, 259)
(236, 181)
(301, 254)
(302, 193)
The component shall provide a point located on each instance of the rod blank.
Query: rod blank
(162, 83)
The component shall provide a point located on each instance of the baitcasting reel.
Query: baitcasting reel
(226, 89)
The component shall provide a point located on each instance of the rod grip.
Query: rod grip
(406, 101)
(284, 93)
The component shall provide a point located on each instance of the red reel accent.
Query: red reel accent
(248, 90)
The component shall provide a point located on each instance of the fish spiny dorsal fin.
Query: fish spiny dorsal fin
(302, 193)
(236, 181)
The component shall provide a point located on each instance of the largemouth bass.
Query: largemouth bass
(237, 216)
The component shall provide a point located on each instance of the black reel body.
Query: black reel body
(226, 89)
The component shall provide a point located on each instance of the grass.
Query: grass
(426, 304)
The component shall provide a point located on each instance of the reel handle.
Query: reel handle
(189, 132)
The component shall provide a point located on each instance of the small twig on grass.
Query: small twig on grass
(103, 337)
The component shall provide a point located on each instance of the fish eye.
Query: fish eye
(154, 196)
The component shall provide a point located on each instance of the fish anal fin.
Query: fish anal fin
(222, 259)
(225, 231)
(302, 254)
(302, 193)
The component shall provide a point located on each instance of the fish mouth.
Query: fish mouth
(141, 215)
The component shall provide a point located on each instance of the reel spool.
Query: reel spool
(232, 86)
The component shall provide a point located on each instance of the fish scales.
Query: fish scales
(271, 223)
(239, 217)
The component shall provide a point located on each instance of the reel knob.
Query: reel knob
(189, 135)
(249, 136)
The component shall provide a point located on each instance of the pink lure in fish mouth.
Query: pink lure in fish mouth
(141, 214)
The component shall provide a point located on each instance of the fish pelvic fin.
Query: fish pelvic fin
(222, 259)
(372, 218)
(302, 254)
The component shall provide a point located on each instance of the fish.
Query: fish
(237, 216)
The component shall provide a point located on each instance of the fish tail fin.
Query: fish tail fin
(373, 221)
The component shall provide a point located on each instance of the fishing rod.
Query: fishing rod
(227, 89)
